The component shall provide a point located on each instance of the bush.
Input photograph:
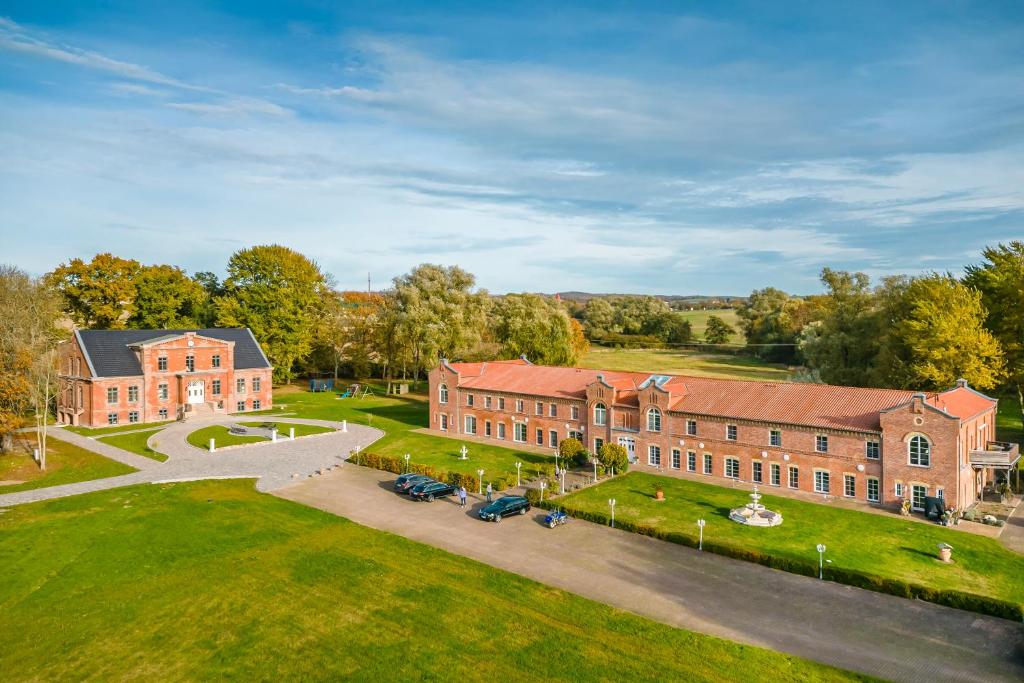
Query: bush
(573, 451)
(612, 455)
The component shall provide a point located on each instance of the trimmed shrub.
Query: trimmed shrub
(613, 455)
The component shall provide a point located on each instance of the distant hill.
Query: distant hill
(675, 300)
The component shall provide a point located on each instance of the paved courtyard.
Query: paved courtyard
(882, 635)
(272, 464)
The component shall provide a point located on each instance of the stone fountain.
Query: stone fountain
(754, 513)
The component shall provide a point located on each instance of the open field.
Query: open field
(212, 580)
(699, 322)
(874, 544)
(683, 362)
(65, 464)
(115, 429)
(136, 443)
(398, 417)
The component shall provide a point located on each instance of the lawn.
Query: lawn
(212, 580)
(115, 429)
(221, 436)
(398, 417)
(861, 541)
(300, 429)
(683, 362)
(136, 443)
(699, 322)
(65, 464)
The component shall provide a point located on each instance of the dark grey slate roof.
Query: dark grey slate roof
(109, 355)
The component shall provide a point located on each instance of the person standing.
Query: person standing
(462, 496)
(489, 492)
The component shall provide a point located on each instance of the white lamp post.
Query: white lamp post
(595, 470)
(556, 459)
(519, 466)
(480, 483)
(563, 481)
(543, 485)
(463, 453)
(821, 560)
(700, 539)
(611, 504)
(406, 463)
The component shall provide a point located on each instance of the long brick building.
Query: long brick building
(109, 377)
(875, 446)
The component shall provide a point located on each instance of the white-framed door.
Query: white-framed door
(196, 391)
(630, 445)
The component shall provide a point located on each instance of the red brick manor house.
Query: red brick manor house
(875, 446)
(110, 377)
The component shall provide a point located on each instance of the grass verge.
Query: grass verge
(896, 552)
(212, 580)
(66, 463)
(136, 443)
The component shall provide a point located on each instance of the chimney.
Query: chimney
(917, 403)
(962, 383)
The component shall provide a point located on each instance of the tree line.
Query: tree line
(607, 318)
(901, 332)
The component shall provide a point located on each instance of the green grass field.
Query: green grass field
(212, 580)
(699, 322)
(136, 443)
(876, 544)
(65, 464)
(398, 417)
(115, 429)
(682, 362)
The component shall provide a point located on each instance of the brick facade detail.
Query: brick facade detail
(162, 390)
(860, 464)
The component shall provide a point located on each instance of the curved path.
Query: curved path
(272, 464)
(882, 635)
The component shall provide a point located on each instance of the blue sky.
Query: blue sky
(618, 147)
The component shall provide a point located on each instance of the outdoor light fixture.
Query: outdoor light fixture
(764, 454)
(860, 468)
(407, 463)
(611, 504)
(785, 457)
(821, 560)
(700, 540)
(480, 483)
(519, 466)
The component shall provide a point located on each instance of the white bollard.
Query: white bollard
(212, 446)
(344, 426)
(291, 433)
(35, 454)
(273, 436)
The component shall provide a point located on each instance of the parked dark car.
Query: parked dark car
(429, 490)
(503, 507)
(405, 482)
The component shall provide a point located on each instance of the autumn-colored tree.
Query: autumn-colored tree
(279, 294)
(348, 331)
(537, 327)
(97, 294)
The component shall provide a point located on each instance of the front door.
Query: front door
(630, 444)
(196, 391)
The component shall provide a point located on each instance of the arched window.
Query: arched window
(443, 391)
(600, 414)
(920, 449)
(654, 420)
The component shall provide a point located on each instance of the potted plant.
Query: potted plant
(1005, 492)
(659, 494)
(945, 552)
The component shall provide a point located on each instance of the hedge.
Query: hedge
(388, 463)
(948, 597)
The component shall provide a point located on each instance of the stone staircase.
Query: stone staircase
(193, 411)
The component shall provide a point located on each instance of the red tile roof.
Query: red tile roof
(814, 405)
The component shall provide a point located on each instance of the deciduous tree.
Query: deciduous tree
(718, 331)
(100, 293)
(843, 346)
(278, 293)
(537, 327)
(165, 297)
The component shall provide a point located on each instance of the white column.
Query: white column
(273, 435)
(291, 433)
(344, 425)
(212, 446)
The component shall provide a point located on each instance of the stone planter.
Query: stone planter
(945, 552)
(659, 495)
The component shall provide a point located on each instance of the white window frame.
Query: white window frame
(600, 414)
(913, 497)
(677, 459)
(163, 392)
(598, 444)
(442, 394)
(822, 481)
(775, 474)
(133, 393)
(538, 408)
(574, 411)
(691, 461)
(444, 422)
(923, 455)
(112, 395)
(877, 449)
(849, 479)
(654, 455)
(470, 399)
(552, 410)
(111, 418)
(731, 468)
(898, 489)
(552, 438)
(818, 440)
(653, 420)
(868, 490)
(161, 363)
(757, 471)
(215, 387)
(162, 413)
(539, 436)
(487, 402)
(790, 471)
(709, 464)
(501, 431)
(519, 428)
(256, 404)
(133, 416)
(240, 405)
(732, 433)
(469, 420)
(775, 438)
(487, 427)
(501, 403)
(256, 383)
(240, 385)
(215, 360)
(520, 406)
(691, 428)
